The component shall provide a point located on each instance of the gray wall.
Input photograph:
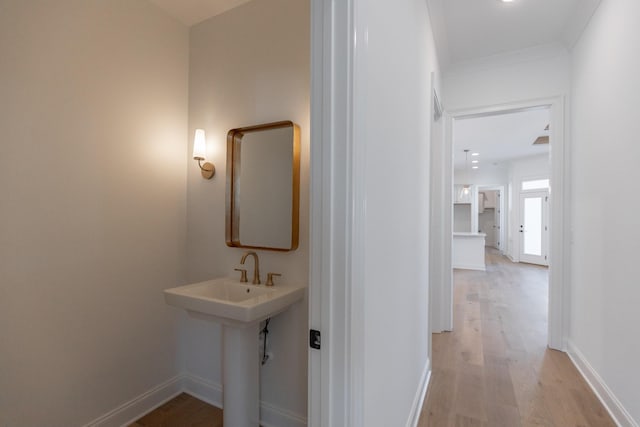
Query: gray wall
(93, 123)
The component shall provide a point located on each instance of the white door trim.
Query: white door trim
(336, 309)
(441, 274)
(501, 208)
(559, 214)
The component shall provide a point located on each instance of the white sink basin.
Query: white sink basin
(231, 302)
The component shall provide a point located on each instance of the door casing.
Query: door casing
(559, 213)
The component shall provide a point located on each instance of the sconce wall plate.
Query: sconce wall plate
(207, 169)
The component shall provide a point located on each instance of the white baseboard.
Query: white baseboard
(205, 390)
(416, 407)
(470, 267)
(270, 416)
(619, 414)
(130, 411)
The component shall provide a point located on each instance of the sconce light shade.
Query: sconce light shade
(200, 152)
(199, 145)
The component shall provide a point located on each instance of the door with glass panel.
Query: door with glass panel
(534, 228)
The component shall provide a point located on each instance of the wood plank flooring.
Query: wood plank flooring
(182, 411)
(495, 369)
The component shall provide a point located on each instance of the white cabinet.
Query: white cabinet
(490, 199)
(486, 200)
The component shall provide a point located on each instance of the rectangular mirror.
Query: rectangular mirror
(263, 186)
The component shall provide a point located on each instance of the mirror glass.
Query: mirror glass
(263, 186)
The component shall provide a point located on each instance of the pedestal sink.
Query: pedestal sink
(239, 307)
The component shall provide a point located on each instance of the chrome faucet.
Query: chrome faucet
(256, 266)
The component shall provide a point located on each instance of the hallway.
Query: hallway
(495, 368)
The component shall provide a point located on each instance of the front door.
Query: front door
(534, 228)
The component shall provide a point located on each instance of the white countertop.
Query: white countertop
(467, 234)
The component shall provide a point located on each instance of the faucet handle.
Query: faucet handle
(243, 275)
(270, 278)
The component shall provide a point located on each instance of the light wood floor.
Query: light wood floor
(182, 411)
(494, 369)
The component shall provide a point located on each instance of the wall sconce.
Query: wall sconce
(199, 153)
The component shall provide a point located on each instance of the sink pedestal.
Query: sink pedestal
(239, 308)
(241, 375)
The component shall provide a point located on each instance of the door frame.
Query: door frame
(501, 190)
(336, 371)
(559, 208)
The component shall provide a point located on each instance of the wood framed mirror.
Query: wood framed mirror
(263, 186)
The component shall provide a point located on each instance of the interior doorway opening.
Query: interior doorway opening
(510, 243)
(491, 216)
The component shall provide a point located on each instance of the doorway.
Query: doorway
(490, 216)
(558, 211)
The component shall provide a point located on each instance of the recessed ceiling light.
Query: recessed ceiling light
(507, 1)
(474, 167)
(475, 154)
(475, 161)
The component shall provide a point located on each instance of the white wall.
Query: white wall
(503, 79)
(486, 176)
(248, 66)
(93, 123)
(606, 235)
(462, 218)
(392, 104)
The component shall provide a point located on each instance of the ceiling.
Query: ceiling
(500, 138)
(191, 12)
(465, 30)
